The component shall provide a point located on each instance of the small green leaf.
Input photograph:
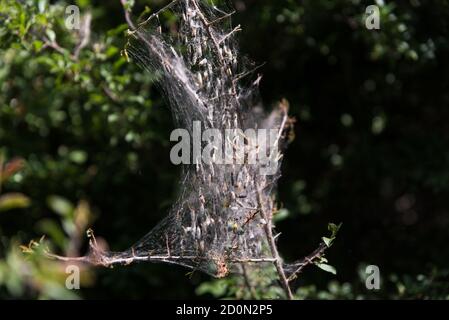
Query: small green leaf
(216, 288)
(323, 260)
(51, 35)
(327, 241)
(60, 205)
(78, 156)
(14, 201)
(52, 229)
(281, 215)
(327, 268)
(37, 44)
(332, 227)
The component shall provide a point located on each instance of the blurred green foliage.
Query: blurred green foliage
(371, 147)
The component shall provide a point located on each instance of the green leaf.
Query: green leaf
(281, 215)
(37, 44)
(52, 229)
(216, 288)
(60, 205)
(51, 35)
(78, 156)
(14, 201)
(333, 228)
(327, 268)
(42, 4)
(327, 241)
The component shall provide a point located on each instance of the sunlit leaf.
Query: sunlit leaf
(60, 205)
(14, 201)
(327, 268)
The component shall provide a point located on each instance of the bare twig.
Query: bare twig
(236, 29)
(273, 247)
(227, 15)
(244, 74)
(85, 38)
(154, 15)
(208, 27)
(310, 259)
(111, 260)
(127, 15)
(55, 46)
(85, 35)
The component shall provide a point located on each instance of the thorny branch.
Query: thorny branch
(310, 259)
(274, 251)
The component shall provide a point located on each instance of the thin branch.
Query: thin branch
(127, 15)
(208, 27)
(244, 74)
(310, 259)
(236, 29)
(227, 15)
(85, 38)
(284, 108)
(225, 67)
(85, 35)
(273, 248)
(154, 15)
(55, 46)
(99, 259)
